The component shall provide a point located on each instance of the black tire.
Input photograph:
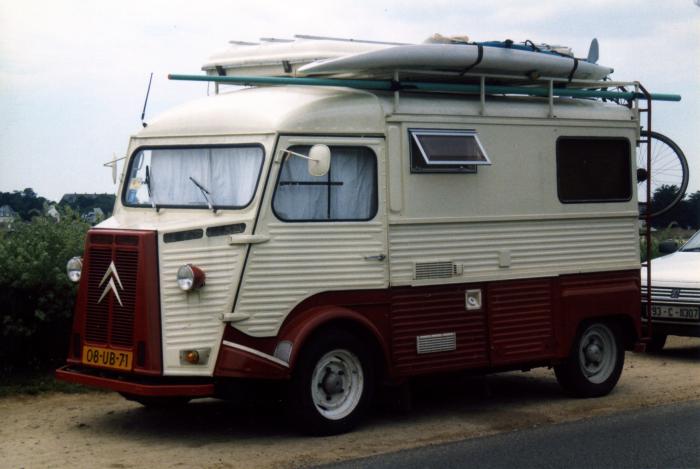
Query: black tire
(657, 342)
(594, 364)
(157, 402)
(336, 370)
(673, 172)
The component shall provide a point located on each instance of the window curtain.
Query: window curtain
(229, 174)
(350, 187)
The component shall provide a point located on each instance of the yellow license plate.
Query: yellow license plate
(108, 358)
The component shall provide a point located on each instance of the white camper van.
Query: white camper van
(333, 239)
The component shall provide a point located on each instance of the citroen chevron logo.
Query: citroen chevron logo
(111, 285)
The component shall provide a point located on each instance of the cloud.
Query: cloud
(73, 74)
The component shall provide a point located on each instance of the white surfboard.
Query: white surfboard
(277, 57)
(460, 58)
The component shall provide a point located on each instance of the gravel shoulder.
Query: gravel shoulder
(104, 430)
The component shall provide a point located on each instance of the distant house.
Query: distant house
(7, 215)
(53, 213)
(71, 199)
(93, 216)
(85, 204)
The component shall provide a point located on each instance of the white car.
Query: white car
(675, 292)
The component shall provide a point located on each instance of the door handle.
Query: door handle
(378, 258)
(248, 239)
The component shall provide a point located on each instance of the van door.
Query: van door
(315, 233)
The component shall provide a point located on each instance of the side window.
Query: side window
(593, 169)
(347, 193)
(445, 151)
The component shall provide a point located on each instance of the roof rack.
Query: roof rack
(340, 39)
(541, 88)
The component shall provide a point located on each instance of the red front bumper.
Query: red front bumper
(124, 385)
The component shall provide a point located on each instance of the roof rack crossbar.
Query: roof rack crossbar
(391, 85)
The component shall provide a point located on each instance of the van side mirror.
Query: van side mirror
(319, 160)
(668, 246)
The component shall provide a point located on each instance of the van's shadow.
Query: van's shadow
(209, 421)
(689, 351)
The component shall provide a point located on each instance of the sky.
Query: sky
(73, 74)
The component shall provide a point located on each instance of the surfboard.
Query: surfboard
(484, 58)
(283, 57)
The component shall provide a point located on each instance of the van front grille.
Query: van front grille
(111, 296)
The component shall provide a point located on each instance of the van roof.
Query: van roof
(335, 110)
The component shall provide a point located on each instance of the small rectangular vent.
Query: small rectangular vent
(430, 270)
(436, 343)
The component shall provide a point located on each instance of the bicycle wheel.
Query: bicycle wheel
(669, 168)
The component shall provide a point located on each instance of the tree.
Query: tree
(36, 297)
(686, 213)
(26, 202)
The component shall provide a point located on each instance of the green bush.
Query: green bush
(36, 296)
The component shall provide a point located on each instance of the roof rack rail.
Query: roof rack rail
(593, 90)
(243, 43)
(275, 39)
(340, 39)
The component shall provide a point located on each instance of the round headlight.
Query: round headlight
(190, 277)
(73, 268)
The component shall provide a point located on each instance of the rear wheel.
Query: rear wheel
(594, 364)
(332, 385)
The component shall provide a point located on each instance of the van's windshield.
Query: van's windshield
(226, 177)
(693, 243)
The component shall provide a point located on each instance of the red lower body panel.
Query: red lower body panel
(119, 384)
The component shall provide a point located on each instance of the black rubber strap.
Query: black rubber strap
(573, 69)
(479, 57)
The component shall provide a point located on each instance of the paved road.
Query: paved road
(661, 437)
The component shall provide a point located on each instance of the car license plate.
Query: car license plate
(675, 312)
(108, 358)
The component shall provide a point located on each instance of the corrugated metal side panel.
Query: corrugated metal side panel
(521, 320)
(436, 310)
(302, 259)
(535, 247)
(194, 320)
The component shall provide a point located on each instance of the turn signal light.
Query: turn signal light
(192, 357)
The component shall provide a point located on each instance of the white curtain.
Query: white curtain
(350, 187)
(229, 174)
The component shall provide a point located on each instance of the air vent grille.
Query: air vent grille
(430, 270)
(436, 343)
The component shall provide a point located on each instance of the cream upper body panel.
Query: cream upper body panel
(273, 110)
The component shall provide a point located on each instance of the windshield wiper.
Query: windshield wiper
(205, 193)
(148, 188)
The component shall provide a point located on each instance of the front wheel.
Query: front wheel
(332, 385)
(594, 364)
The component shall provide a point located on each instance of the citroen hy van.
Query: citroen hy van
(331, 240)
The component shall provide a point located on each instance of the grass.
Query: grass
(34, 383)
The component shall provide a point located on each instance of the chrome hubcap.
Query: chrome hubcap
(597, 353)
(337, 383)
